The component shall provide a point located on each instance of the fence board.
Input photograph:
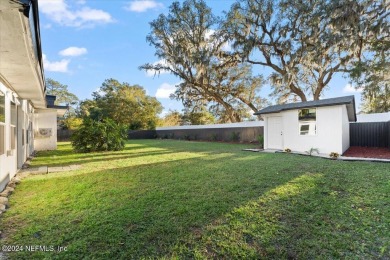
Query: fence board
(372, 134)
(244, 134)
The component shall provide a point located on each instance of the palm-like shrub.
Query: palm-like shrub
(99, 135)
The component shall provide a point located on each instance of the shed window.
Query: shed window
(307, 121)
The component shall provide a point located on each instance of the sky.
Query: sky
(85, 42)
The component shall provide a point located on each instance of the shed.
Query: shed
(321, 124)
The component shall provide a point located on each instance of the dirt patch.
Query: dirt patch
(368, 152)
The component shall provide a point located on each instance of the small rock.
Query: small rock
(2, 207)
(16, 180)
(9, 190)
(3, 200)
(11, 184)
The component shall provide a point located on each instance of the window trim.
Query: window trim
(307, 122)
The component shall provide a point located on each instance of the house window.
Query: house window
(307, 121)
(2, 107)
(2, 121)
(14, 114)
(2, 140)
(13, 137)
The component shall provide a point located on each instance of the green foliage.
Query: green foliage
(202, 117)
(305, 43)
(376, 97)
(312, 150)
(214, 137)
(172, 118)
(260, 139)
(72, 123)
(235, 136)
(187, 137)
(334, 155)
(102, 135)
(124, 103)
(63, 96)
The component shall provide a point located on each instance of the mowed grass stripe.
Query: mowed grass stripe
(178, 199)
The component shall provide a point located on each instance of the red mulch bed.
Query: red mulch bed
(368, 152)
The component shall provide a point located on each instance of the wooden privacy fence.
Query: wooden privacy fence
(64, 134)
(371, 134)
(242, 134)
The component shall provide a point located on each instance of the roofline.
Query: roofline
(308, 106)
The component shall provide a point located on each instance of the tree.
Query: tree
(376, 99)
(172, 118)
(125, 104)
(366, 24)
(189, 47)
(203, 117)
(64, 97)
(302, 42)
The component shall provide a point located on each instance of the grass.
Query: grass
(179, 199)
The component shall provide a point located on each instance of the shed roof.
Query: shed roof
(349, 101)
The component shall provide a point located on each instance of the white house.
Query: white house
(320, 124)
(27, 120)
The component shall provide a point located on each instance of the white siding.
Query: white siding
(345, 131)
(45, 118)
(8, 160)
(377, 117)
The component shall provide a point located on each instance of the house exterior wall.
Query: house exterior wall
(332, 133)
(17, 147)
(45, 119)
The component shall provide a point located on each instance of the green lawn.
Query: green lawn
(178, 199)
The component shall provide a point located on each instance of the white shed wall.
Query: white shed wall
(345, 131)
(332, 130)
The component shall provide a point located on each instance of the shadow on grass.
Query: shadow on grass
(239, 205)
(140, 211)
(108, 158)
(331, 212)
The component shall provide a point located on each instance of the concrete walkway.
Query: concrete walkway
(47, 169)
(325, 156)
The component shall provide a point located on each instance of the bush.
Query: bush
(102, 135)
(214, 137)
(235, 136)
(260, 138)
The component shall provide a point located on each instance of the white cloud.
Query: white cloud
(60, 12)
(56, 66)
(351, 89)
(165, 90)
(140, 6)
(47, 26)
(73, 51)
(152, 73)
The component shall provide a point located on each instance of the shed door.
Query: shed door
(275, 134)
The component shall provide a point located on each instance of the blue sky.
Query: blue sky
(86, 42)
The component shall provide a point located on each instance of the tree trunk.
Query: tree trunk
(298, 92)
